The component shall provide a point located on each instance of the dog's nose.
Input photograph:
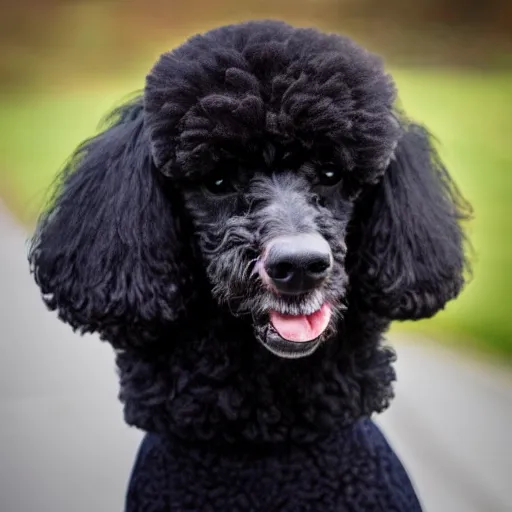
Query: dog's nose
(298, 264)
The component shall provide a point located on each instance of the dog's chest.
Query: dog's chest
(340, 475)
(284, 482)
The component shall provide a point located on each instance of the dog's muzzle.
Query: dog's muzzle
(294, 268)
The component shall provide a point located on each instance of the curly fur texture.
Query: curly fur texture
(313, 93)
(155, 239)
(285, 479)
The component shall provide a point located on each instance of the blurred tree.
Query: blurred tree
(95, 36)
(476, 13)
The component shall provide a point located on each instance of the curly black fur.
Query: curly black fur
(155, 235)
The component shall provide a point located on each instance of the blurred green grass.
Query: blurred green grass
(469, 112)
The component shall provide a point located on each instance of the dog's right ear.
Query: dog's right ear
(106, 254)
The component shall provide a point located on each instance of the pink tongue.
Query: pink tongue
(301, 327)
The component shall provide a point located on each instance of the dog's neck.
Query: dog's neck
(212, 381)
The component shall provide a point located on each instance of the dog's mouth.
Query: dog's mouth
(301, 328)
(294, 336)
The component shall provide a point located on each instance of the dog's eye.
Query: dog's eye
(329, 177)
(219, 185)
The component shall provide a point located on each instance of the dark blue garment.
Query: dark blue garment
(354, 470)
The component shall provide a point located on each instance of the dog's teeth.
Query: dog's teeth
(291, 309)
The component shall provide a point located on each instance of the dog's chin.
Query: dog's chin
(286, 349)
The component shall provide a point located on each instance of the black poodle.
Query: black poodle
(243, 233)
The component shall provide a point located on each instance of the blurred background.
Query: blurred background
(64, 64)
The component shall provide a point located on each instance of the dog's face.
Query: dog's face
(272, 233)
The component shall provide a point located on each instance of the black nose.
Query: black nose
(298, 264)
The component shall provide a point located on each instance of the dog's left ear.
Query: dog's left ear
(409, 257)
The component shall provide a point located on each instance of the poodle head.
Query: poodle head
(271, 132)
(268, 163)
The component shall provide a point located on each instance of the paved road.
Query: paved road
(65, 448)
(451, 422)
